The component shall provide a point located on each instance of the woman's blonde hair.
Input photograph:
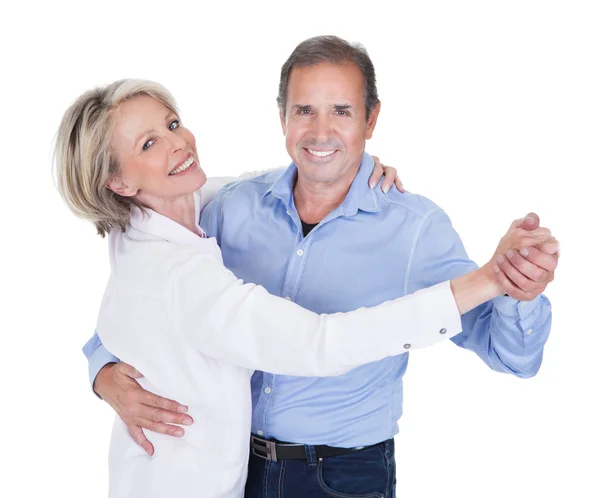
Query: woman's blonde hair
(84, 159)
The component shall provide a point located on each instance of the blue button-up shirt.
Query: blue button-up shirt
(370, 249)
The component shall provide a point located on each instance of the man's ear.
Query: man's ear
(117, 185)
(283, 124)
(372, 121)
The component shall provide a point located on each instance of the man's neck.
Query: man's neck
(315, 200)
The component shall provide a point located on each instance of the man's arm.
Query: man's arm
(508, 335)
(115, 382)
(98, 357)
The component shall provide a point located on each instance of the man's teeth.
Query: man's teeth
(183, 167)
(320, 153)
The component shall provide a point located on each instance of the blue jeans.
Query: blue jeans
(370, 473)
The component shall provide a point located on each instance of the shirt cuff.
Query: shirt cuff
(508, 306)
(442, 318)
(97, 361)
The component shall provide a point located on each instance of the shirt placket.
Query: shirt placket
(289, 291)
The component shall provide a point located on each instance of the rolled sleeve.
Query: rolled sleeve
(97, 357)
(525, 313)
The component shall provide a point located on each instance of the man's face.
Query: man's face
(325, 125)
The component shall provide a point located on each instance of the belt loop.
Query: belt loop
(389, 448)
(311, 455)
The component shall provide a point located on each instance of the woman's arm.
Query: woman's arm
(245, 325)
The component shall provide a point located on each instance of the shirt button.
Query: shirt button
(529, 332)
(407, 346)
(443, 331)
(288, 298)
(260, 433)
(300, 252)
(267, 390)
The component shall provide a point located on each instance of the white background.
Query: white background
(491, 109)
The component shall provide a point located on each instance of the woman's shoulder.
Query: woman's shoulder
(152, 266)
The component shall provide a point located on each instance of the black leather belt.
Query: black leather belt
(275, 451)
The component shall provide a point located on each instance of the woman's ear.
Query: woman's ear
(118, 187)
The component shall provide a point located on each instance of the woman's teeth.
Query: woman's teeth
(183, 167)
(320, 153)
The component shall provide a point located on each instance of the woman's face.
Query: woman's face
(157, 156)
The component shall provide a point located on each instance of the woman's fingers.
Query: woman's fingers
(377, 172)
(390, 176)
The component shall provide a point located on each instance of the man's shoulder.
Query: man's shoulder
(419, 205)
(250, 187)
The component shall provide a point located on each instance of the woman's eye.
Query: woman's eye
(148, 144)
(174, 124)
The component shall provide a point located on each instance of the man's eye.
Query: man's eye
(148, 144)
(305, 112)
(341, 112)
(174, 124)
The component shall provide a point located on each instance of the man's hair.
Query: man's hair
(84, 158)
(331, 50)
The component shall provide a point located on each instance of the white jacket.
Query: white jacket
(196, 332)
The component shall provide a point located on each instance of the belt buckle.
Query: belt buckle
(263, 448)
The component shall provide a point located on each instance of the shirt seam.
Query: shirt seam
(414, 247)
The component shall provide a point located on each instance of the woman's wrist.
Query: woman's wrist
(475, 288)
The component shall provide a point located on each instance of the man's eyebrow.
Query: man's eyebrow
(343, 107)
(301, 106)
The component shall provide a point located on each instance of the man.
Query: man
(308, 234)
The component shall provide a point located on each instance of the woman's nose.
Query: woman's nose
(177, 142)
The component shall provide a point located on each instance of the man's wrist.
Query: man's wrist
(105, 370)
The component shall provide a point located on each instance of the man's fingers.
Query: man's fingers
(531, 270)
(160, 415)
(138, 435)
(550, 247)
(547, 261)
(510, 288)
(164, 403)
(160, 427)
(128, 370)
(515, 276)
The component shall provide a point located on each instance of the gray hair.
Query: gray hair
(84, 159)
(331, 50)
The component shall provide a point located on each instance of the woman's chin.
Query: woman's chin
(191, 180)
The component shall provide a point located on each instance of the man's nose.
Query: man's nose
(321, 128)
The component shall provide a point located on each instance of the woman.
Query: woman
(171, 308)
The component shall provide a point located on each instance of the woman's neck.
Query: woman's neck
(179, 209)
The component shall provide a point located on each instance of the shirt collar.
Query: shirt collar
(359, 197)
(153, 223)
